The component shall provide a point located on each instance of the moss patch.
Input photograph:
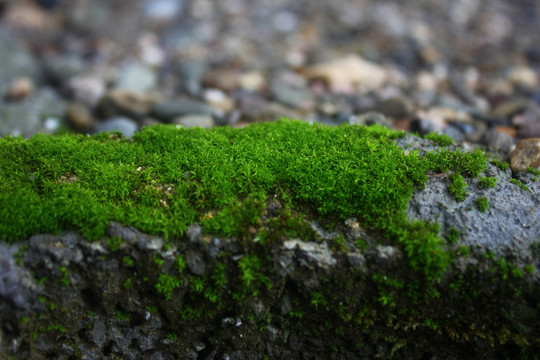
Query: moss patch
(168, 177)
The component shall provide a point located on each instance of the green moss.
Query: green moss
(65, 276)
(114, 243)
(520, 184)
(128, 262)
(487, 182)
(533, 171)
(166, 284)
(482, 203)
(458, 187)
(439, 139)
(452, 237)
(500, 164)
(167, 178)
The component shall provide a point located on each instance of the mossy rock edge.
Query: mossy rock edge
(281, 240)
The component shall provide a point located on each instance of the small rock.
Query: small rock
(224, 79)
(218, 99)
(168, 111)
(530, 115)
(136, 77)
(121, 102)
(162, 10)
(526, 154)
(60, 68)
(507, 130)
(192, 73)
(395, 107)
(319, 254)
(498, 140)
(79, 117)
(295, 98)
(194, 233)
(125, 125)
(529, 131)
(348, 73)
(509, 108)
(149, 50)
(87, 89)
(196, 264)
(251, 81)
(454, 132)
(20, 88)
(523, 76)
(189, 121)
(370, 118)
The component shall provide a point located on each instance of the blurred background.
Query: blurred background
(467, 68)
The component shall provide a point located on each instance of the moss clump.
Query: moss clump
(168, 177)
(439, 139)
(521, 185)
(501, 165)
(482, 204)
(487, 182)
(458, 187)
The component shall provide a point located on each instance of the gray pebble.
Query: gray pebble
(168, 111)
(125, 125)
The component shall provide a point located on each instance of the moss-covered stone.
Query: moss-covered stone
(306, 248)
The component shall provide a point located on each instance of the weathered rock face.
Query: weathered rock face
(294, 285)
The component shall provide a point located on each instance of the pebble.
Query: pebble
(252, 81)
(16, 59)
(525, 155)
(192, 73)
(20, 88)
(125, 125)
(136, 77)
(509, 108)
(348, 74)
(60, 68)
(370, 118)
(529, 130)
(79, 117)
(149, 51)
(226, 80)
(128, 103)
(189, 121)
(395, 107)
(218, 100)
(87, 89)
(162, 10)
(523, 76)
(168, 111)
(294, 98)
(498, 140)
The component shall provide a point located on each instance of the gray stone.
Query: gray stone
(454, 133)
(136, 77)
(311, 253)
(370, 118)
(194, 233)
(124, 125)
(60, 68)
(498, 140)
(168, 111)
(196, 264)
(289, 96)
(396, 107)
(16, 61)
(506, 228)
(32, 115)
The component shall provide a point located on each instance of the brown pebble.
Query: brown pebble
(506, 130)
(20, 88)
(526, 155)
(79, 117)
